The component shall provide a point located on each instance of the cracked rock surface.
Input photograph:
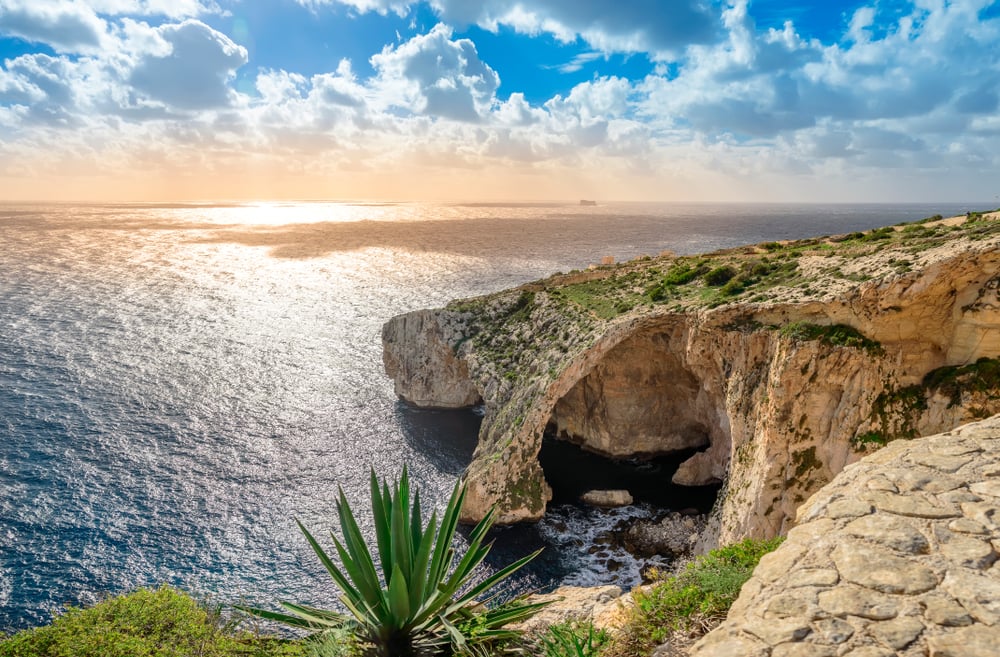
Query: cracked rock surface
(898, 555)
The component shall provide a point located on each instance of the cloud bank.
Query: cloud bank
(899, 106)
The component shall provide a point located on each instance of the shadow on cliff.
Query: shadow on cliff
(572, 471)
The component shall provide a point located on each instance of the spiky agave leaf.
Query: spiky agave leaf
(416, 599)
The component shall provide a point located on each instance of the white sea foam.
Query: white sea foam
(584, 536)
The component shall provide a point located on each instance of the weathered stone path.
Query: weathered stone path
(897, 556)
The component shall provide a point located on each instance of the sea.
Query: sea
(180, 382)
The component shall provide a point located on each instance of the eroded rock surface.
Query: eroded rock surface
(911, 573)
(594, 604)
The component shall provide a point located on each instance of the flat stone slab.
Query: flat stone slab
(876, 569)
(898, 555)
(607, 498)
(975, 641)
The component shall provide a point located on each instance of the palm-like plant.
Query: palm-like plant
(422, 602)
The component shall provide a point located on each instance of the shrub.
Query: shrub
(862, 441)
(684, 273)
(835, 335)
(420, 602)
(733, 287)
(145, 623)
(719, 275)
(877, 234)
(521, 309)
(690, 602)
(657, 292)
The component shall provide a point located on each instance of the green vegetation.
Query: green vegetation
(729, 280)
(834, 335)
(896, 410)
(982, 376)
(691, 601)
(683, 272)
(521, 310)
(862, 441)
(160, 623)
(420, 601)
(168, 623)
(719, 275)
(573, 639)
(606, 297)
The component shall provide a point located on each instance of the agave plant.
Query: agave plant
(420, 602)
(574, 639)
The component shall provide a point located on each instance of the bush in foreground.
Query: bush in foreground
(146, 623)
(687, 604)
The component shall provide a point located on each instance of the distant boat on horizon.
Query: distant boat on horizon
(586, 202)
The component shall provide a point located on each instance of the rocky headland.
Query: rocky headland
(769, 368)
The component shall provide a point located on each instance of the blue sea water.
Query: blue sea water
(178, 382)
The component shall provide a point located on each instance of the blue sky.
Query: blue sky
(881, 100)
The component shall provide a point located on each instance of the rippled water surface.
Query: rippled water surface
(178, 382)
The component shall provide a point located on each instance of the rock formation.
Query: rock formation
(434, 376)
(897, 556)
(599, 605)
(783, 363)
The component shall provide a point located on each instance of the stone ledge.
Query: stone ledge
(896, 556)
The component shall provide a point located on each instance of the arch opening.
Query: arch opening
(571, 471)
(630, 423)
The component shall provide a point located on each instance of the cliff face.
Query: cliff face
(417, 350)
(643, 359)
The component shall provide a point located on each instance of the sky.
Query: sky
(490, 100)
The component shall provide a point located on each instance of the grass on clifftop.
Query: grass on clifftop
(835, 335)
(754, 273)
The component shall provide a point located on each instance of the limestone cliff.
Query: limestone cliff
(782, 362)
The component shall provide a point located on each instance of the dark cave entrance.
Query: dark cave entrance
(571, 471)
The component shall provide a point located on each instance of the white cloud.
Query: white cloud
(173, 9)
(652, 26)
(44, 85)
(434, 75)
(861, 21)
(609, 25)
(74, 26)
(517, 111)
(578, 62)
(63, 24)
(398, 7)
(193, 73)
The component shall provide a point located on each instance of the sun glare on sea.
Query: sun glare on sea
(278, 214)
